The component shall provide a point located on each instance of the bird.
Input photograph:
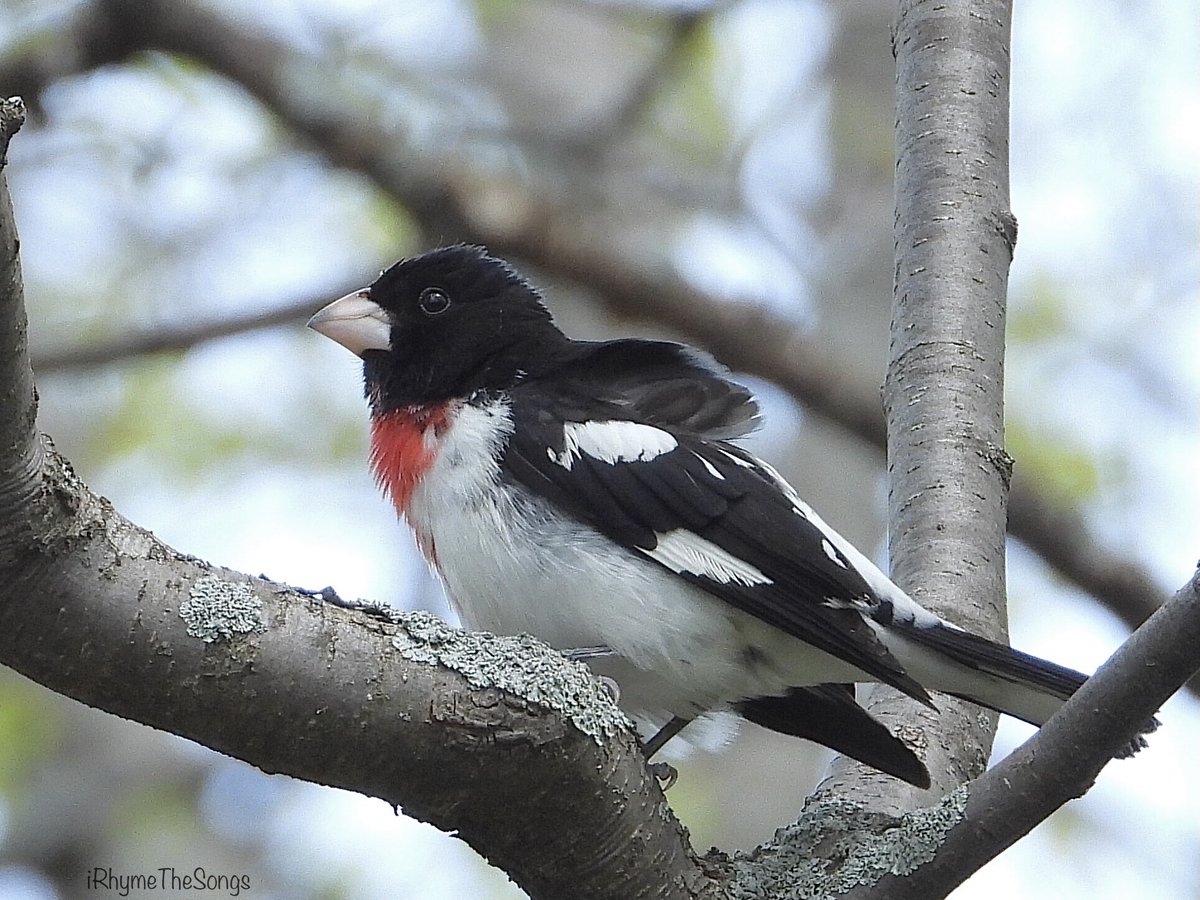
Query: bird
(593, 494)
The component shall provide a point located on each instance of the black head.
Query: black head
(446, 324)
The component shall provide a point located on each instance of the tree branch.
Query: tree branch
(178, 337)
(955, 234)
(20, 451)
(500, 739)
(1063, 758)
(840, 849)
(684, 27)
(948, 472)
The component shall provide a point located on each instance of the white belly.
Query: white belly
(512, 564)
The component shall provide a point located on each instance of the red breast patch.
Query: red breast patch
(404, 444)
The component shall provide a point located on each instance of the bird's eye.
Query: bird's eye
(434, 301)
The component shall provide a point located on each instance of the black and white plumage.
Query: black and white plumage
(589, 494)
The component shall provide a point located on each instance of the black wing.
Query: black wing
(661, 383)
(638, 478)
(829, 715)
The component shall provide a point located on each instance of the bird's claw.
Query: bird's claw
(372, 608)
(328, 595)
(610, 687)
(665, 773)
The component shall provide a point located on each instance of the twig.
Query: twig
(177, 337)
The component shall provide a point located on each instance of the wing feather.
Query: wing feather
(710, 488)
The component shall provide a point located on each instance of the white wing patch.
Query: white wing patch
(712, 470)
(735, 458)
(832, 553)
(681, 551)
(612, 442)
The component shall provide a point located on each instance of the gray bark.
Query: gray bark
(1063, 759)
(948, 473)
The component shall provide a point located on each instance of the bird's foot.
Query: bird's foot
(610, 687)
(329, 595)
(665, 773)
(333, 598)
(668, 731)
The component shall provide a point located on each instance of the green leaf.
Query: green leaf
(30, 729)
(1040, 316)
(1068, 471)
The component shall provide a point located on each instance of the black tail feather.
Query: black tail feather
(829, 715)
(977, 652)
(1029, 672)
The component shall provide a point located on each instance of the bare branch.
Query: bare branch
(18, 444)
(177, 337)
(841, 849)
(81, 38)
(1062, 759)
(684, 27)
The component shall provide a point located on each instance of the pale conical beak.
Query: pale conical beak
(356, 322)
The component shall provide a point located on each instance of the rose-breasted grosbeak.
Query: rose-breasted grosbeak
(588, 494)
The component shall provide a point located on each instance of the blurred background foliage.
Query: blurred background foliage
(172, 182)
